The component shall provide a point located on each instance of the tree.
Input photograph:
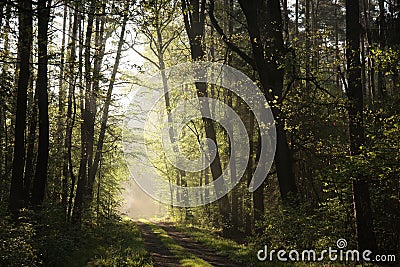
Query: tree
(91, 155)
(40, 179)
(62, 170)
(270, 70)
(104, 119)
(361, 195)
(87, 125)
(268, 64)
(156, 22)
(194, 18)
(24, 51)
(68, 168)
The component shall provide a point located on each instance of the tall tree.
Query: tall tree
(40, 179)
(267, 60)
(100, 44)
(161, 33)
(194, 18)
(382, 44)
(31, 148)
(361, 195)
(5, 13)
(104, 118)
(63, 163)
(87, 122)
(68, 170)
(24, 52)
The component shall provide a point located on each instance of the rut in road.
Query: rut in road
(197, 249)
(187, 243)
(159, 253)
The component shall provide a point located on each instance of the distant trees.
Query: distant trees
(305, 89)
(156, 22)
(45, 139)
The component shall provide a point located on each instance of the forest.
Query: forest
(246, 127)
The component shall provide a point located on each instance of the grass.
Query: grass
(117, 244)
(185, 258)
(246, 255)
(236, 252)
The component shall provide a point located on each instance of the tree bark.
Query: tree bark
(229, 4)
(308, 36)
(100, 41)
(258, 195)
(382, 44)
(30, 151)
(4, 154)
(249, 174)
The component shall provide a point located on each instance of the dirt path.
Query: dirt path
(159, 252)
(196, 248)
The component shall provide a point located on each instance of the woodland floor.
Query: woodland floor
(162, 256)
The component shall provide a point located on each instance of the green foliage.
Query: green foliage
(381, 162)
(17, 246)
(388, 60)
(303, 227)
(120, 244)
(314, 109)
(245, 254)
(46, 240)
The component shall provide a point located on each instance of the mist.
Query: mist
(138, 205)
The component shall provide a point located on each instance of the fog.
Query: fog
(138, 205)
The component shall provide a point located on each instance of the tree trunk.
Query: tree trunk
(286, 19)
(100, 41)
(3, 108)
(271, 78)
(361, 196)
(40, 179)
(24, 52)
(104, 118)
(71, 111)
(296, 11)
(258, 195)
(235, 191)
(60, 181)
(249, 174)
(86, 133)
(161, 63)
(30, 151)
(308, 36)
(382, 44)
(194, 18)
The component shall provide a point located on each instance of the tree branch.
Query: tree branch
(225, 38)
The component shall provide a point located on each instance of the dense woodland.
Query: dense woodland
(329, 70)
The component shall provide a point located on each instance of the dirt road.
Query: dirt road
(163, 257)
